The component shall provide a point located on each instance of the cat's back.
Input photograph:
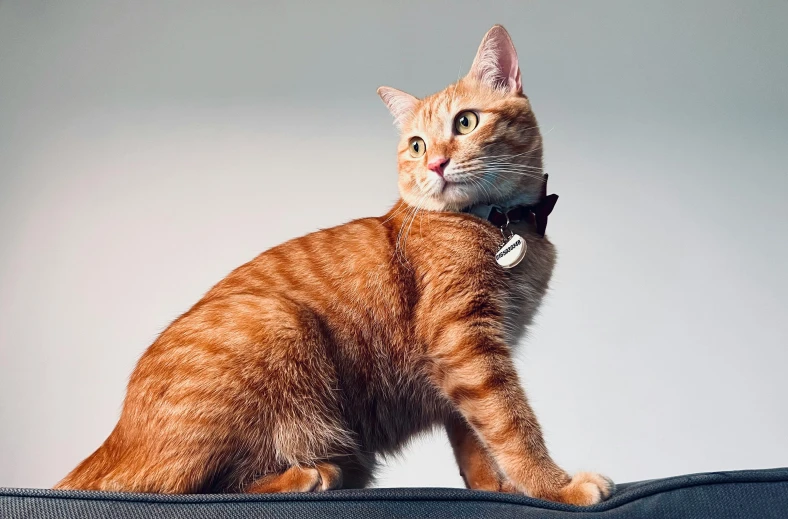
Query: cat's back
(350, 272)
(389, 263)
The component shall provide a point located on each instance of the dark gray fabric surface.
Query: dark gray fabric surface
(719, 495)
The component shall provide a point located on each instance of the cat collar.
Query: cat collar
(536, 213)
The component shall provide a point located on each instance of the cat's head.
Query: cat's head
(476, 141)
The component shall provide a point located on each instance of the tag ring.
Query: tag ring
(505, 226)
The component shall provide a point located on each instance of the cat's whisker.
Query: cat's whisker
(520, 173)
(406, 226)
(484, 186)
(476, 183)
(415, 214)
(509, 162)
(510, 156)
(494, 185)
(397, 251)
(510, 169)
(506, 170)
(400, 250)
(403, 206)
(506, 155)
(527, 171)
(456, 84)
(482, 178)
(407, 232)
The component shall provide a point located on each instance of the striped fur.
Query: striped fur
(301, 366)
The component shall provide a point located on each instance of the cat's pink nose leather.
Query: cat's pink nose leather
(438, 165)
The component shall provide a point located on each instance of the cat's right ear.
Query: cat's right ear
(401, 104)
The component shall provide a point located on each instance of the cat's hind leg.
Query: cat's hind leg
(238, 386)
(323, 476)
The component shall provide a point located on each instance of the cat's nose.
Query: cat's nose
(438, 165)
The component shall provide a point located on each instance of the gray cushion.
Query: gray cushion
(720, 495)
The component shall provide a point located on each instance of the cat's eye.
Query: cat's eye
(466, 122)
(417, 147)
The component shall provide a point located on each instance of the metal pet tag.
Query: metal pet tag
(512, 253)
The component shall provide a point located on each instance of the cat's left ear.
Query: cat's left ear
(496, 62)
(401, 104)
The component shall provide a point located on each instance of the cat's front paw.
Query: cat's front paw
(585, 489)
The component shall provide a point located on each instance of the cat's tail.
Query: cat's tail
(90, 474)
(118, 466)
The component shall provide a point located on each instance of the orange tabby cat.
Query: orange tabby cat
(301, 365)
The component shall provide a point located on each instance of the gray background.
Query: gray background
(148, 148)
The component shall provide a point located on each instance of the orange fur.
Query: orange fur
(294, 371)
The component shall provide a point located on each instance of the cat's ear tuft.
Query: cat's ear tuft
(495, 64)
(401, 104)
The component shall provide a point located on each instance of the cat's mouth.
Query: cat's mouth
(446, 192)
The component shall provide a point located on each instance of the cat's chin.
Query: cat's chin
(456, 197)
(440, 203)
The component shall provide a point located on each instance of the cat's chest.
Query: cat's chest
(527, 282)
(520, 289)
